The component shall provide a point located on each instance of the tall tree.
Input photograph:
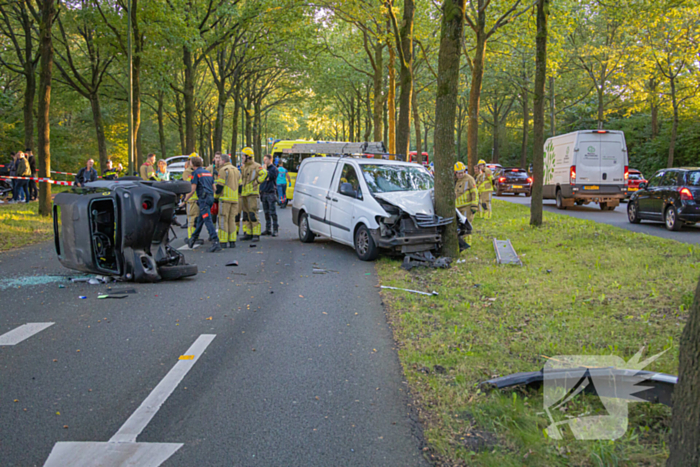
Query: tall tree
(445, 108)
(404, 44)
(538, 112)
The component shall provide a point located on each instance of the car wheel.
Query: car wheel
(365, 247)
(671, 219)
(560, 200)
(171, 273)
(305, 233)
(632, 213)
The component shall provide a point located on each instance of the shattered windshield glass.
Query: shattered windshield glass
(390, 178)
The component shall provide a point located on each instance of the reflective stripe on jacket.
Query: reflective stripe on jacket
(484, 180)
(253, 175)
(466, 192)
(229, 178)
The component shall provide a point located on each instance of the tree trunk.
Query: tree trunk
(416, 123)
(538, 112)
(136, 105)
(445, 107)
(378, 91)
(161, 126)
(684, 442)
(552, 108)
(29, 93)
(458, 149)
(425, 138)
(99, 130)
(403, 134)
(385, 110)
(248, 125)
(674, 128)
(391, 99)
(234, 127)
(475, 93)
(654, 108)
(352, 119)
(256, 132)
(189, 101)
(601, 106)
(368, 116)
(526, 126)
(180, 126)
(496, 152)
(47, 13)
(220, 113)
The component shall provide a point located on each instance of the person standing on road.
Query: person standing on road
(203, 187)
(23, 170)
(268, 196)
(283, 181)
(484, 183)
(253, 174)
(467, 198)
(192, 208)
(33, 191)
(86, 174)
(227, 183)
(147, 170)
(111, 173)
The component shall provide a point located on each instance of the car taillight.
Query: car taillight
(502, 179)
(686, 195)
(627, 175)
(572, 175)
(529, 179)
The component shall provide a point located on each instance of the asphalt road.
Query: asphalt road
(302, 370)
(618, 218)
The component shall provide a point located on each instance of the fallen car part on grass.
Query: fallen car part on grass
(121, 228)
(653, 387)
(505, 253)
(433, 293)
(424, 259)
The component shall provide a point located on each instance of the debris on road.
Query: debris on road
(111, 296)
(433, 293)
(82, 297)
(232, 263)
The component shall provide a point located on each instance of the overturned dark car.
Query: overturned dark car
(121, 228)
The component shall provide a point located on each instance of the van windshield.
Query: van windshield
(390, 178)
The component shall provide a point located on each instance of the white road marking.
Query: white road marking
(148, 408)
(122, 448)
(23, 332)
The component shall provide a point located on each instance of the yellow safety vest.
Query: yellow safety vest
(187, 176)
(485, 180)
(229, 178)
(253, 175)
(466, 192)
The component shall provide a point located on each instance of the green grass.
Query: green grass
(20, 225)
(585, 288)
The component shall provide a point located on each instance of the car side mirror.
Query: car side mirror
(642, 185)
(347, 190)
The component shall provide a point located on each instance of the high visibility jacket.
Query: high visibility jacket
(110, 174)
(147, 172)
(253, 175)
(212, 170)
(229, 178)
(187, 176)
(466, 192)
(484, 181)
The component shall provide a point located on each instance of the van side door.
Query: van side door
(314, 185)
(342, 205)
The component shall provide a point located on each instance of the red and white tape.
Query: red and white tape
(37, 179)
(63, 173)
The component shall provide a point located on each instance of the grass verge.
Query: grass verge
(585, 289)
(21, 225)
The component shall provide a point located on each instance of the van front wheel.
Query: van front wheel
(365, 247)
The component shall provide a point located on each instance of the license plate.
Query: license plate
(517, 186)
(632, 189)
(591, 187)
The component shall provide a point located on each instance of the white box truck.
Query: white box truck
(583, 167)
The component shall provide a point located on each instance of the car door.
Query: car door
(644, 200)
(661, 192)
(342, 207)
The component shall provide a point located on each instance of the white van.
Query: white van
(367, 204)
(584, 167)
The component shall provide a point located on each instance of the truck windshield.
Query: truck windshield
(389, 178)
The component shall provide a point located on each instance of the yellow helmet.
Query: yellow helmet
(481, 161)
(460, 167)
(194, 154)
(248, 152)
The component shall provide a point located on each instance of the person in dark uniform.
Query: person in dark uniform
(111, 173)
(203, 186)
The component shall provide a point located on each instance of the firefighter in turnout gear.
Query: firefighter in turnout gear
(484, 183)
(192, 208)
(252, 175)
(227, 183)
(467, 197)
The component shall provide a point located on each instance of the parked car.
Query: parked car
(513, 180)
(120, 228)
(635, 179)
(368, 204)
(671, 196)
(586, 167)
(176, 166)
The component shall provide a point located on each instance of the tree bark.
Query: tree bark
(538, 111)
(222, 97)
(674, 128)
(234, 127)
(99, 130)
(29, 93)
(47, 12)
(526, 126)
(180, 126)
(352, 119)
(552, 108)
(445, 107)
(475, 92)
(189, 100)
(378, 91)
(256, 132)
(403, 134)
(161, 126)
(684, 441)
(654, 108)
(601, 106)
(391, 99)
(496, 153)
(416, 123)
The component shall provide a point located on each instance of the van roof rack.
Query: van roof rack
(337, 148)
